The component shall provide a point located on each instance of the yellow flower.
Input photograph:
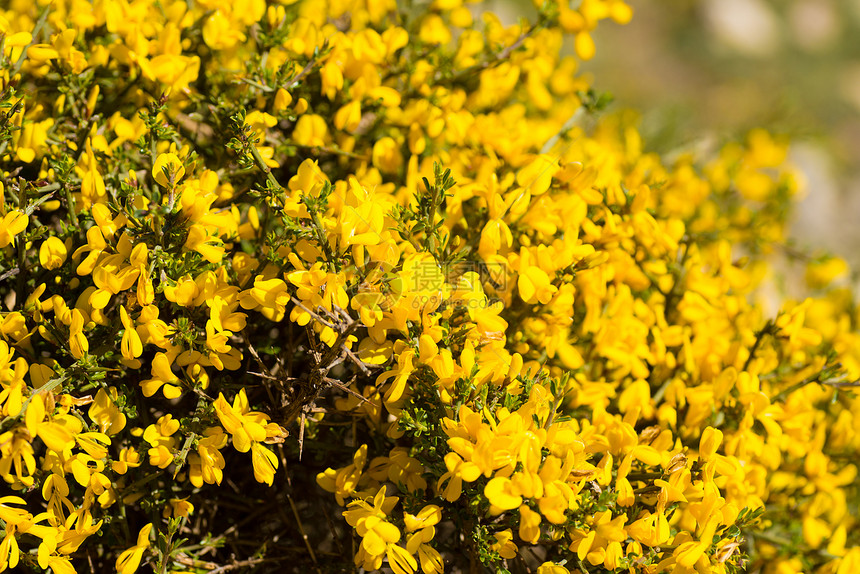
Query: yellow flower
(504, 544)
(175, 71)
(179, 507)
(310, 130)
(168, 169)
(709, 443)
(552, 568)
(162, 378)
(536, 177)
(428, 516)
(104, 412)
(529, 525)
(12, 224)
(651, 529)
(129, 560)
(401, 561)
(59, 433)
(52, 253)
(502, 494)
(13, 517)
(458, 471)
(378, 536)
(128, 458)
(207, 464)
(246, 427)
(131, 345)
(400, 374)
(270, 296)
(533, 283)
(386, 155)
(221, 32)
(264, 462)
(343, 482)
(691, 552)
(49, 558)
(209, 246)
(601, 543)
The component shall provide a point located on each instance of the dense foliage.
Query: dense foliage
(294, 285)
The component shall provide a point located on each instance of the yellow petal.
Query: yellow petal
(536, 177)
(35, 414)
(52, 253)
(170, 163)
(56, 436)
(388, 532)
(688, 553)
(498, 491)
(373, 543)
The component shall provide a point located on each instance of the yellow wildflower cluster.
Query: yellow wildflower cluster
(399, 254)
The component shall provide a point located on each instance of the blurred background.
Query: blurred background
(704, 71)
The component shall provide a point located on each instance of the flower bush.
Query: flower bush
(295, 285)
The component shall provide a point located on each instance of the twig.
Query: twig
(841, 384)
(499, 57)
(816, 378)
(301, 434)
(243, 564)
(304, 71)
(341, 339)
(303, 533)
(264, 167)
(200, 393)
(767, 329)
(22, 249)
(257, 358)
(358, 362)
(346, 389)
(322, 235)
(333, 530)
(188, 561)
(316, 316)
(10, 273)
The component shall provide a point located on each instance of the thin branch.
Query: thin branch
(358, 362)
(768, 329)
(316, 316)
(262, 376)
(500, 56)
(306, 70)
(244, 564)
(346, 389)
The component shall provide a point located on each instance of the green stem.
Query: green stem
(70, 201)
(551, 416)
(48, 386)
(179, 459)
(142, 481)
(22, 249)
(261, 164)
(321, 236)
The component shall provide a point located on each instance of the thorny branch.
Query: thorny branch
(298, 394)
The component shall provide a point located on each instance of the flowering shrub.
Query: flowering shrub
(301, 284)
